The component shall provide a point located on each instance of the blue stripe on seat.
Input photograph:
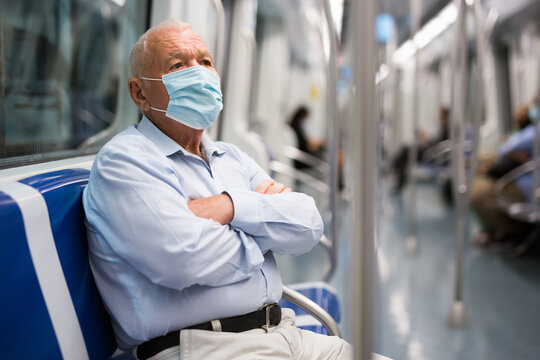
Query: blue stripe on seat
(27, 331)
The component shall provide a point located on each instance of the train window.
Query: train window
(63, 74)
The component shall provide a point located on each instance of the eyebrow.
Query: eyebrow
(206, 53)
(179, 54)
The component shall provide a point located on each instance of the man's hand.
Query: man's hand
(270, 187)
(519, 156)
(219, 208)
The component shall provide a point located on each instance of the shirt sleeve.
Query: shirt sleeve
(147, 223)
(283, 223)
(520, 141)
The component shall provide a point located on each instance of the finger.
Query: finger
(275, 189)
(262, 187)
(286, 190)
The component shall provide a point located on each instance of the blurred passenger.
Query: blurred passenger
(515, 151)
(303, 142)
(314, 147)
(423, 143)
(182, 230)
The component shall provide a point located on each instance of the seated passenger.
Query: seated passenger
(515, 151)
(303, 142)
(423, 142)
(182, 230)
(313, 147)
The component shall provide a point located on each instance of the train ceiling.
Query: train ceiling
(399, 9)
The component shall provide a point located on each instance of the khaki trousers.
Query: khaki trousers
(484, 203)
(284, 341)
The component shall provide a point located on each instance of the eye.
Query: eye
(176, 66)
(207, 62)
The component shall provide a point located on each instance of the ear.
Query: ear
(137, 93)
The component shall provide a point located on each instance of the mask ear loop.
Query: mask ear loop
(146, 78)
(153, 79)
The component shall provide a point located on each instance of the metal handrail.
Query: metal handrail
(303, 177)
(296, 154)
(438, 153)
(313, 309)
(328, 246)
(520, 211)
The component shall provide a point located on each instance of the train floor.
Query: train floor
(414, 293)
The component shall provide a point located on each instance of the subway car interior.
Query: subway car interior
(411, 123)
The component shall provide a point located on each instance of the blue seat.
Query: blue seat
(50, 306)
(323, 295)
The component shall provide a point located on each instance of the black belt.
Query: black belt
(268, 315)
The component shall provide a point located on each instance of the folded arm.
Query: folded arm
(285, 223)
(148, 223)
(279, 220)
(220, 208)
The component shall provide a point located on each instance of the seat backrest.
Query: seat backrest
(50, 307)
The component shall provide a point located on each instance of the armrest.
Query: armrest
(438, 153)
(296, 154)
(520, 211)
(313, 309)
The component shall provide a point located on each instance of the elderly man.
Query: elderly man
(182, 230)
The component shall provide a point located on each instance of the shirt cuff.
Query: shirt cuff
(246, 210)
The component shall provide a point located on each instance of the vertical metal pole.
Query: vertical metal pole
(219, 42)
(333, 123)
(479, 103)
(363, 134)
(459, 91)
(412, 241)
(3, 142)
(536, 150)
(536, 154)
(219, 53)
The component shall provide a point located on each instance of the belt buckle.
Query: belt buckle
(267, 309)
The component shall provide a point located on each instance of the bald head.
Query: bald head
(140, 58)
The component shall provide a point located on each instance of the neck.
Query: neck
(186, 137)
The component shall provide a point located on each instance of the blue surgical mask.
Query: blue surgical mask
(195, 98)
(533, 114)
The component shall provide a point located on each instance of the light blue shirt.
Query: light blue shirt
(159, 267)
(522, 140)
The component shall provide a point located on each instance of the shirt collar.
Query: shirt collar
(211, 147)
(168, 146)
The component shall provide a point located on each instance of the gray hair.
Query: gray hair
(140, 49)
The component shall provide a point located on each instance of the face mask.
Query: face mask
(533, 114)
(195, 98)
